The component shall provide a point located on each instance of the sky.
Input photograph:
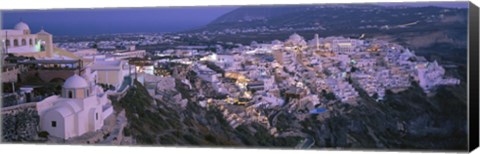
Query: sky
(114, 20)
(133, 20)
(454, 4)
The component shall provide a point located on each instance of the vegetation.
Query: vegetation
(43, 134)
(353, 69)
(166, 123)
(126, 131)
(215, 68)
(329, 95)
(107, 86)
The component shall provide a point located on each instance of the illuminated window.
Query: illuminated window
(54, 124)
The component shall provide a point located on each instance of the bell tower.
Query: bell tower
(46, 40)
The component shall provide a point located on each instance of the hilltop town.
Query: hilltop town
(75, 92)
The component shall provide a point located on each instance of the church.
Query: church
(21, 42)
(82, 107)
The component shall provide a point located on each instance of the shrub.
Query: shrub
(43, 134)
(126, 131)
(106, 135)
(329, 96)
(210, 138)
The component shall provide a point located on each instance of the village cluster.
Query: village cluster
(240, 81)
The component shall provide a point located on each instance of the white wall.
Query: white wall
(59, 130)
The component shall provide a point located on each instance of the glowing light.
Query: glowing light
(251, 52)
(247, 95)
(213, 57)
(38, 46)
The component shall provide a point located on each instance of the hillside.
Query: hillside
(167, 123)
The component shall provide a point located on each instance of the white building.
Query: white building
(21, 42)
(224, 60)
(86, 52)
(296, 40)
(345, 45)
(81, 108)
(111, 72)
(129, 54)
(268, 100)
(431, 75)
(206, 73)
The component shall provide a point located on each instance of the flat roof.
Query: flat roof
(49, 62)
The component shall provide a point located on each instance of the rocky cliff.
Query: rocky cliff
(20, 125)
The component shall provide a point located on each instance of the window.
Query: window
(24, 42)
(96, 116)
(70, 94)
(15, 43)
(54, 124)
(31, 41)
(88, 92)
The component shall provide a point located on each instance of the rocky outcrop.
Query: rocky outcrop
(20, 125)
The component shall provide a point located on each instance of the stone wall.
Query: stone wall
(10, 75)
(20, 124)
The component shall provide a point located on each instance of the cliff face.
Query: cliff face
(407, 119)
(20, 125)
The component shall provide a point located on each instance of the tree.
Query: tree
(353, 69)
(375, 96)
(95, 45)
(329, 96)
(43, 134)
(324, 91)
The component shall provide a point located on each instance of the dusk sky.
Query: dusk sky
(131, 20)
(439, 4)
(114, 20)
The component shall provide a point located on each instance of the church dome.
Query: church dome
(276, 42)
(22, 26)
(296, 40)
(295, 37)
(75, 82)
